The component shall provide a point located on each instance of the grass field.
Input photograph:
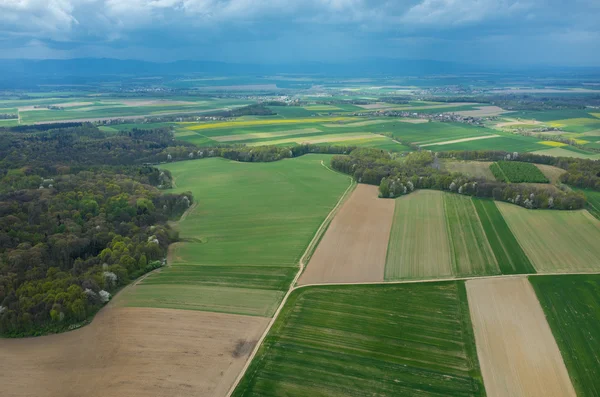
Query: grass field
(476, 169)
(556, 241)
(470, 249)
(509, 255)
(243, 240)
(562, 152)
(359, 341)
(572, 307)
(419, 246)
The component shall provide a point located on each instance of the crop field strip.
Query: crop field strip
(517, 172)
(419, 246)
(243, 240)
(354, 247)
(476, 169)
(572, 307)
(510, 256)
(352, 340)
(556, 241)
(469, 246)
(515, 346)
(593, 199)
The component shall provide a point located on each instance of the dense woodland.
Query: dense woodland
(397, 176)
(77, 221)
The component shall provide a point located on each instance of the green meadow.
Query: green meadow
(385, 340)
(242, 241)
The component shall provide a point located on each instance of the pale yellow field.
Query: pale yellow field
(517, 352)
(483, 111)
(556, 241)
(477, 169)
(263, 135)
(320, 139)
(475, 138)
(559, 152)
(551, 172)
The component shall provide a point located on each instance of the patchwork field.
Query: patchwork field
(369, 340)
(516, 349)
(133, 352)
(354, 247)
(419, 246)
(556, 241)
(509, 255)
(470, 250)
(560, 152)
(476, 169)
(572, 307)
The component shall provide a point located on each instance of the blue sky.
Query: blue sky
(556, 32)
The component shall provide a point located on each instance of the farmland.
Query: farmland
(469, 246)
(593, 199)
(556, 241)
(244, 238)
(350, 340)
(510, 256)
(515, 346)
(419, 246)
(517, 172)
(571, 305)
(355, 244)
(477, 169)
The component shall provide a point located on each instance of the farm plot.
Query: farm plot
(517, 172)
(355, 244)
(516, 349)
(133, 352)
(510, 256)
(507, 142)
(556, 241)
(243, 239)
(470, 249)
(561, 152)
(572, 306)
(593, 199)
(419, 246)
(476, 169)
(550, 172)
(385, 340)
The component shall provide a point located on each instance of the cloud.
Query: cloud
(201, 28)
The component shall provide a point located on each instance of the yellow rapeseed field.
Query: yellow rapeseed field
(553, 143)
(251, 123)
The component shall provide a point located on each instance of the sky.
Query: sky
(507, 32)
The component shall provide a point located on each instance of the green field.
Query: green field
(564, 152)
(243, 240)
(517, 172)
(572, 306)
(509, 143)
(471, 251)
(418, 246)
(509, 255)
(593, 201)
(386, 340)
(556, 241)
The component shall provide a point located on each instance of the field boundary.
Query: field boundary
(307, 253)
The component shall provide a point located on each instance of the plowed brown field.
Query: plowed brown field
(517, 352)
(133, 352)
(355, 244)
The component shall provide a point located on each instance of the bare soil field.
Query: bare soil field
(354, 247)
(477, 169)
(517, 352)
(483, 111)
(133, 352)
(551, 172)
(419, 246)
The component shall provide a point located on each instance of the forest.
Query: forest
(77, 222)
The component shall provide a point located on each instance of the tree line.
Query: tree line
(397, 175)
